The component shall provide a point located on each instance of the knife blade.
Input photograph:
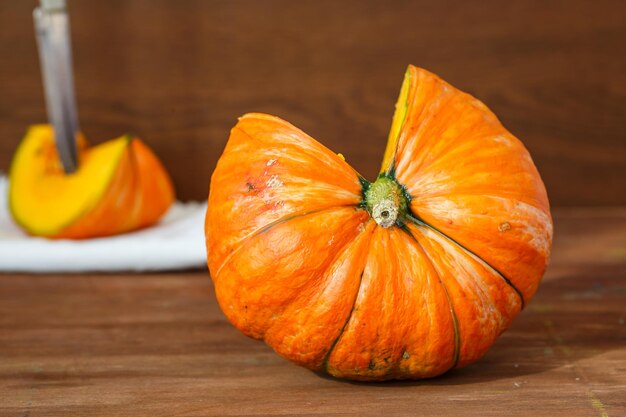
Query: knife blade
(55, 56)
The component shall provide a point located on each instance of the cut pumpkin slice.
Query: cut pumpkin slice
(120, 186)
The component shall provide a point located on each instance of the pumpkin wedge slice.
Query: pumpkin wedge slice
(120, 186)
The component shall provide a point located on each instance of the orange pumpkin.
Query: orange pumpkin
(120, 186)
(406, 277)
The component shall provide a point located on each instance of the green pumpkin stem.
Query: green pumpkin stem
(386, 201)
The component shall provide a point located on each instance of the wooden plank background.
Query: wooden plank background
(178, 73)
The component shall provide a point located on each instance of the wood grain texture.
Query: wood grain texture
(157, 345)
(178, 74)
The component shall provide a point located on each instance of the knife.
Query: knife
(55, 56)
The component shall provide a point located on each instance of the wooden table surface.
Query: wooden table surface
(158, 345)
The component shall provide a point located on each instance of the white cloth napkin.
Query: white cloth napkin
(176, 242)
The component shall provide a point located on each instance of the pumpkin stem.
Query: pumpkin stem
(386, 201)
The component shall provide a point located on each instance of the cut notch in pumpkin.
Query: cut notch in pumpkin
(399, 116)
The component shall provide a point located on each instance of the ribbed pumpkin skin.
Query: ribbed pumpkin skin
(298, 261)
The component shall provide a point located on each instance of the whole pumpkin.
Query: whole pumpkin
(406, 277)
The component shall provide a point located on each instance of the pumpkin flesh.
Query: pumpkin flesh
(406, 277)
